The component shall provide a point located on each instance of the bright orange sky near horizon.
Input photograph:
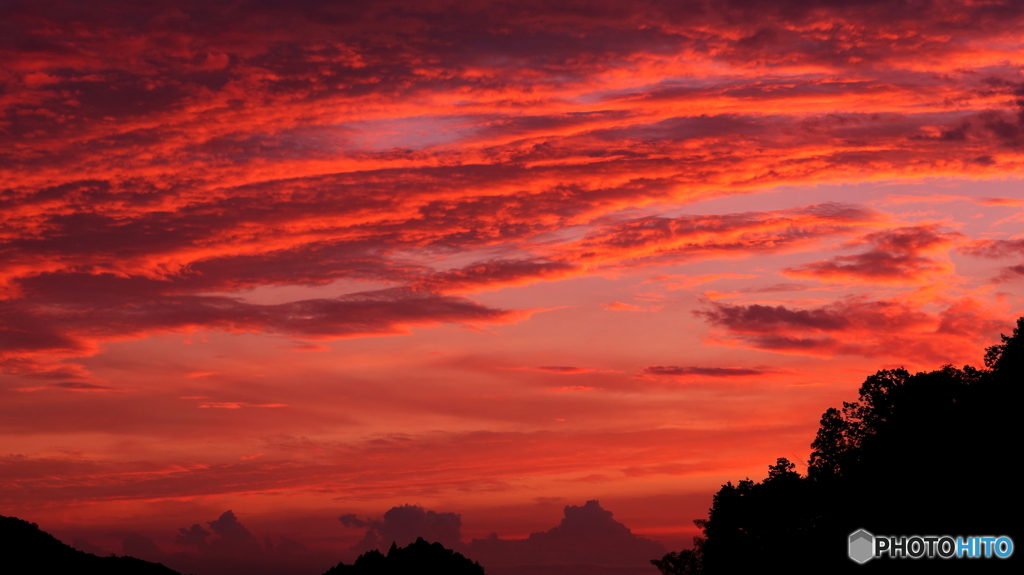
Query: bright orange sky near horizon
(306, 259)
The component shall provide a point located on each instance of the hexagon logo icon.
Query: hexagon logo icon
(861, 544)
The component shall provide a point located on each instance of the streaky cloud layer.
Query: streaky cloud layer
(316, 259)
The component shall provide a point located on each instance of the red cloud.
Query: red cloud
(159, 159)
(661, 240)
(688, 371)
(565, 369)
(860, 326)
(238, 405)
(497, 274)
(174, 294)
(996, 249)
(134, 308)
(73, 386)
(897, 256)
(184, 147)
(1011, 273)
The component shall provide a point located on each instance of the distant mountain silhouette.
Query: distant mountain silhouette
(933, 453)
(25, 549)
(414, 559)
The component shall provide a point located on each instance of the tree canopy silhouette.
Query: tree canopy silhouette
(413, 559)
(931, 453)
(26, 549)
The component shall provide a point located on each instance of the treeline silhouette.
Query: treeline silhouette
(25, 549)
(418, 557)
(932, 453)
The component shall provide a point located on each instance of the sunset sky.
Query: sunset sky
(300, 260)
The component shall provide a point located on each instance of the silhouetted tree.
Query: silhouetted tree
(783, 470)
(832, 447)
(685, 562)
(1009, 356)
(922, 454)
(26, 549)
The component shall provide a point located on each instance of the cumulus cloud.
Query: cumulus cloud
(229, 547)
(403, 524)
(350, 520)
(587, 536)
(192, 537)
(233, 536)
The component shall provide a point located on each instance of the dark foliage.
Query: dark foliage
(414, 559)
(28, 550)
(932, 453)
(687, 560)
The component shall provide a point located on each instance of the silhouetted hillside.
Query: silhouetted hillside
(418, 557)
(932, 453)
(28, 550)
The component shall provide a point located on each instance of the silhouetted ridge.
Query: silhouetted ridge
(28, 550)
(932, 453)
(414, 559)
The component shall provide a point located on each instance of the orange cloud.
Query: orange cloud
(565, 369)
(695, 371)
(73, 386)
(165, 167)
(496, 275)
(619, 306)
(994, 248)
(898, 256)
(899, 328)
(664, 240)
(132, 308)
(238, 405)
